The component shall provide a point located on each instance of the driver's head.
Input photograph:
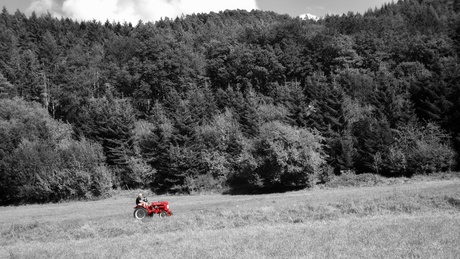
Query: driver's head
(140, 195)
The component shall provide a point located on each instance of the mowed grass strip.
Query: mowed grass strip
(419, 220)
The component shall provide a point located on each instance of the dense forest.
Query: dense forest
(244, 101)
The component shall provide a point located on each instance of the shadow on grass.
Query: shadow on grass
(251, 190)
(454, 202)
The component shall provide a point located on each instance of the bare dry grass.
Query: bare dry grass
(414, 220)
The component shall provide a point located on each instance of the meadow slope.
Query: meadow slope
(406, 220)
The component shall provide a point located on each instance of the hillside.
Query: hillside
(253, 102)
(413, 219)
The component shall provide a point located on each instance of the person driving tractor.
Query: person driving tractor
(143, 208)
(140, 200)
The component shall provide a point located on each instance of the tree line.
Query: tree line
(236, 100)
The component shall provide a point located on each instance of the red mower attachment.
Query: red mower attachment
(148, 209)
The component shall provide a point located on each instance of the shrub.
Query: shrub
(202, 183)
(421, 150)
(39, 160)
(350, 179)
(282, 157)
(84, 167)
(138, 173)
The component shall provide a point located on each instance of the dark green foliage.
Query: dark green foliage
(392, 100)
(173, 147)
(455, 34)
(222, 93)
(281, 158)
(243, 66)
(40, 162)
(223, 144)
(110, 123)
(291, 97)
(244, 107)
(421, 150)
(6, 88)
(173, 162)
(372, 139)
(326, 113)
(325, 101)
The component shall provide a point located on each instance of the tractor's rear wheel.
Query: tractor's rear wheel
(140, 213)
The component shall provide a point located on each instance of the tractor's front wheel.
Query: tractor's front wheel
(140, 213)
(163, 214)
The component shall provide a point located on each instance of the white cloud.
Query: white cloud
(308, 16)
(134, 10)
(42, 6)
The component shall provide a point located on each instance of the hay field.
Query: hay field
(405, 220)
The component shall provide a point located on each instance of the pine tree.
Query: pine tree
(457, 6)
(6, 89)
(201, 103)
(429, 99)
(372, 137)
(291, 96)
(325, 104)
(111, 123)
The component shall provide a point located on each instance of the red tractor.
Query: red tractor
(145, 209)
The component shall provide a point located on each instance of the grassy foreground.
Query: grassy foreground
(411, 220)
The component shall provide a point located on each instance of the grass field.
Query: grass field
(406, 220)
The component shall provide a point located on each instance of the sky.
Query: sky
(152, 10)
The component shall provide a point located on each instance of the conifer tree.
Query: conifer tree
(111, 123)
(372, 137)
(6, 89)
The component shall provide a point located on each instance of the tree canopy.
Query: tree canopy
(229, 99)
